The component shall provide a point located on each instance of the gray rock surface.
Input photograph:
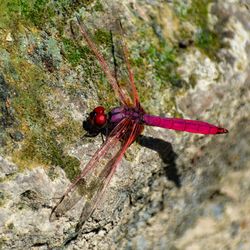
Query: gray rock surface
(171, 190)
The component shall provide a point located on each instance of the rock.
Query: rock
(172, 190)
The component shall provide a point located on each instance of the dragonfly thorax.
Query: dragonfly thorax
(134, 113)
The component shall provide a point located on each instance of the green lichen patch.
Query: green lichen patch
(44, 147)
(44, 137)
(154, 61)
(198, 12)
(106, 93)
(29, 67)
(206, 39)
(38, 12)
(98, 6)
(162, 62)
(209, 41)
(165, 64)
(35, 11)
(74, 53)
(102, 37)
(45, 141)
(78, 53)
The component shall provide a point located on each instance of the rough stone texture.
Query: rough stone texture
(174, 190)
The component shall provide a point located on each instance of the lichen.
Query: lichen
(206, 39)
(98, 6)
(78, 53)
(73, 53)
(44, 139)
(38, 12)
(154, 59)
(33, 72)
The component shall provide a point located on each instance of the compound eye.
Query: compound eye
(100, 119)
(99, 110)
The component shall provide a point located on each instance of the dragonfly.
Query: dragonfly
(123, 125)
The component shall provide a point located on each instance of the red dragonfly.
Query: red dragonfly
(124, 124)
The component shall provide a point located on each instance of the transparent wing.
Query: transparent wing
(122, 80)
(103, 63)
(92, 182)
(134, 131)
(125, 55)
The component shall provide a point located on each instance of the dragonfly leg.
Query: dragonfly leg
(102, 138)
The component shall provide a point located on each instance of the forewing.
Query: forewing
(104, 65)
(124, 71)
(96, 175)
(119, 75)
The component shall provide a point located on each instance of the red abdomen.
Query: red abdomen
(191, 126)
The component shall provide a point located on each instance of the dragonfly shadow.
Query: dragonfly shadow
(166, 153)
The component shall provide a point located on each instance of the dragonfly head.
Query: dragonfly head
(96, 122)
(99, 117)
